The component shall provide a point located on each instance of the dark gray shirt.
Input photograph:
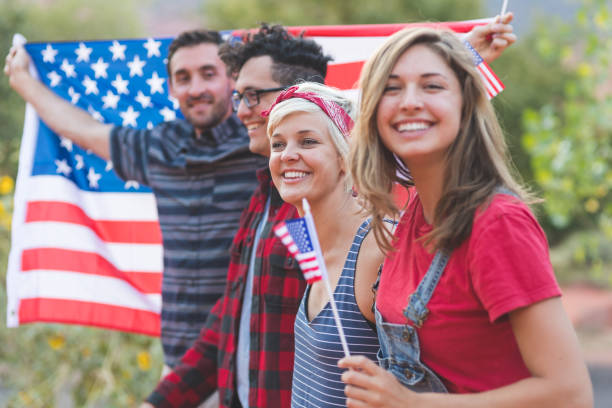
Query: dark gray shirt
(201, 186)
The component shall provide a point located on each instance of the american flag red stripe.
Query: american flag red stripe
(144, 232)
(58, 259)
(373, 30)
(84, 313)
(492, 83)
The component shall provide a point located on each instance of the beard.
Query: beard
(202, 121)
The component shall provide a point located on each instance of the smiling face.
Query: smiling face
(256, 74)
(419, 113)
(304, 161)
(199, 82)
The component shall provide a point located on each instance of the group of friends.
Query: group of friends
(446, 300)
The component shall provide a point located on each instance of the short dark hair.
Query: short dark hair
(190, 39)
(294, 59)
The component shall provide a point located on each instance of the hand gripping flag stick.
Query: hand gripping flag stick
(300, 237)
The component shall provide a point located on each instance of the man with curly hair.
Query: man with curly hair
(245, 350)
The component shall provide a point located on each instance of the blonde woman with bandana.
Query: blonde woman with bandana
(308, 129)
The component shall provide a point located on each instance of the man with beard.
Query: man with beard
(200, 170)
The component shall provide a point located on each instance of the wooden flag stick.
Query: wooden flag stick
(504, 8)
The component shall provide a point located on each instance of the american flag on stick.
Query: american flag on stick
(294, 234)
(492, 83)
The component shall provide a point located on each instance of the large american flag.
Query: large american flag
(86, 246)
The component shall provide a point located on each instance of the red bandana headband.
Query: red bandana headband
(335, 112)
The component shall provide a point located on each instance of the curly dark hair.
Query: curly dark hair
(295, 58)
(190, 39)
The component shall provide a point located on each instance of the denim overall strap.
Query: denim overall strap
(400, 354)
(400, 351)
(374, 287)
(505, 190)
(416, 310)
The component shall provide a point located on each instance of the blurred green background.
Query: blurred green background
(556, 112)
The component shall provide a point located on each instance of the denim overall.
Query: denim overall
(400, 352)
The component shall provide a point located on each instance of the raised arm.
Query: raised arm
(492, 39)
(60, 115)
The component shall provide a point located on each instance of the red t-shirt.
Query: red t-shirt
(467, 338)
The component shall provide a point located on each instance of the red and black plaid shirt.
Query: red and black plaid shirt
(278, 286)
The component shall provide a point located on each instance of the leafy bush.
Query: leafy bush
(570, 141)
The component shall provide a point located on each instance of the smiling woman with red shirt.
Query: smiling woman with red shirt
(468, 310)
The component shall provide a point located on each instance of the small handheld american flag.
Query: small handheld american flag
(294, 234)
(300, 237)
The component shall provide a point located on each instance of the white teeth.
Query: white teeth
(295, 174)
(412, 126)
(252, 127)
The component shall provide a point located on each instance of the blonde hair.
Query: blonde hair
(285, 108)
(477, 160)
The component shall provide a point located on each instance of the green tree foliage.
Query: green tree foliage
(570, 139)
(228, 14)
(531, 81)
(533, 78)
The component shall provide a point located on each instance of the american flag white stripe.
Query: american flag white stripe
(101, 206)
(126, 257)
(309, 265)
(51, 284)
(312, 276)
(349, 49)
(492, 83)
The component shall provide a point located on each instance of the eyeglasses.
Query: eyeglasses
(251, 96)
